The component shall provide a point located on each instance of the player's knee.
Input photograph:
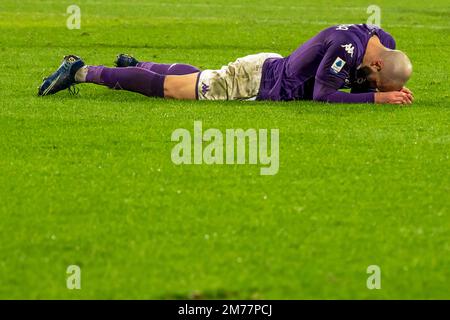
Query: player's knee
(169, 92)
(172, 89)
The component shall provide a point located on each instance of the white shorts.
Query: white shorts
(239, 80)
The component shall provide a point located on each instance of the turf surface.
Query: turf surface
(88, 179)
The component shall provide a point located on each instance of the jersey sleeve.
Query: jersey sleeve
(362, 88)
(340, 57)
(386, 39)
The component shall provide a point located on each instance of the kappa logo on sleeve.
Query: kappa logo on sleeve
(349, 48)
(337, 65)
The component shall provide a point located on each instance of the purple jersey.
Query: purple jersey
(323, 65)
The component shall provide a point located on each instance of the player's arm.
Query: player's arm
(328, 94)
(331, 74)
(404, 96)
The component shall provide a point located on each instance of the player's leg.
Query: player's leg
(152, 84)
(132, 79)
(125, 60)
(142, 81)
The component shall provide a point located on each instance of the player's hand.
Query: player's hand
(409, 93)
(404, 96)
(406, 90)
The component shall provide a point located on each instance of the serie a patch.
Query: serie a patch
(337, 65)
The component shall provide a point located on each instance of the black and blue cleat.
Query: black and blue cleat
(124, 60)
(63, 77)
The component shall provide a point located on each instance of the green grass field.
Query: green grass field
(88, 179)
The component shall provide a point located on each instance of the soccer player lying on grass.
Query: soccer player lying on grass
(357, 56)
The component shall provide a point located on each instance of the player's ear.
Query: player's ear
(377, 65)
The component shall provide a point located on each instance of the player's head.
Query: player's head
(390, 71)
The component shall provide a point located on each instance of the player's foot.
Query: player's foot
(125, 60)
(63, 77)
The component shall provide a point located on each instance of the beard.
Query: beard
(366, 73)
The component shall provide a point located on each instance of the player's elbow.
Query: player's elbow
(323, 93)
(320, 96)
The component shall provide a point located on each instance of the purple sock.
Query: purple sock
(168, 69)
(134, 79)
